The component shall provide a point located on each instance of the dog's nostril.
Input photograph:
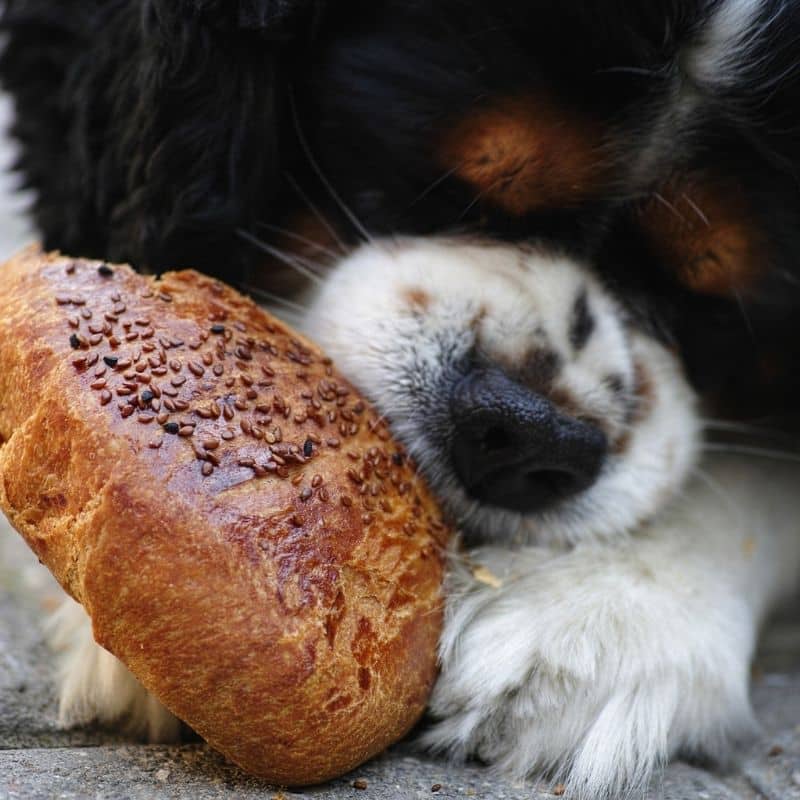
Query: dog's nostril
(512, 448)
(497, 438)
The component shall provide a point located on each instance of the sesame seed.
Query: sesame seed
(162, 418)
(74, 341)
(207, 468)
(211, 443)
(105, 397)
(98, 384)
(172, 427)
(155, 444)
(145, 418)
(308, 448)
(186, 430)
(196, 369)
(105, 271)
(217, 329)
(127, 410)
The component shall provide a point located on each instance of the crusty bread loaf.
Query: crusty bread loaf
(238, 523)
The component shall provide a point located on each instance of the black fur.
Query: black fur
(155, 131)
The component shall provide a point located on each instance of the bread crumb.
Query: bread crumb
(559, 789)
(360, 783)
(485, 576)
(436, 787)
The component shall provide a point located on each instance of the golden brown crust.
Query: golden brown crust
(272, 571)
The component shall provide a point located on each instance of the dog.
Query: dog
(549, 243)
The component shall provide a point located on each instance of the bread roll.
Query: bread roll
(238, 523)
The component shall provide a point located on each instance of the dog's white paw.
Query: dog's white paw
(593, 666)
(95, 686)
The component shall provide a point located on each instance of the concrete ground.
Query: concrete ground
(39, 760)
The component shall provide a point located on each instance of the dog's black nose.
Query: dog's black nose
(514, 449)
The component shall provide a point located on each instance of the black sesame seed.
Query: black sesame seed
(308, 448)
(147, 395)
(105, 270)
(74, 341)
(217, 329)
(172, 427)
(111, 360)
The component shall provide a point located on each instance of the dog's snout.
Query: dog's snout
(512, 448)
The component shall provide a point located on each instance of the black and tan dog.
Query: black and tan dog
(557, 226)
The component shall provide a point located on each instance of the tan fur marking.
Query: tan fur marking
(417, 298)
(526, 153)
(705, 234)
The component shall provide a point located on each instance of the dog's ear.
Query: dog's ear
(158, 138)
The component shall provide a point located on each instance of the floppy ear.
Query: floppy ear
(199, 143)
(168, 113)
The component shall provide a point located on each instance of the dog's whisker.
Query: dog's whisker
(290, 261)
(741, 427)
(434, 185)
(302, 239)
(316, 212)
(760, 452)
(354, 220)
(257, 291)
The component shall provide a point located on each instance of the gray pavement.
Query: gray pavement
(39, 760)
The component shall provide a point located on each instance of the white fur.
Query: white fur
(511, 301)
(96, 686)
(600, 663)
(719, 56)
